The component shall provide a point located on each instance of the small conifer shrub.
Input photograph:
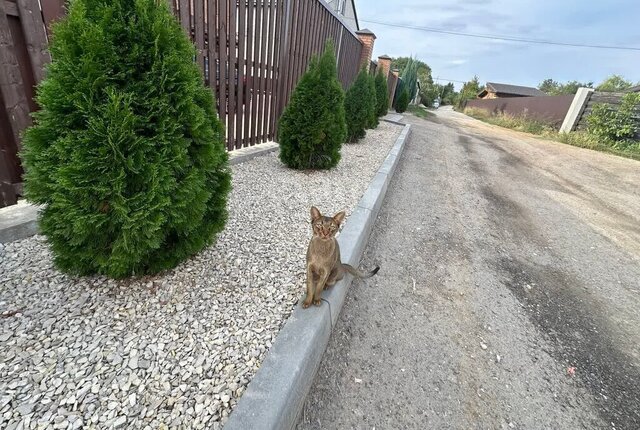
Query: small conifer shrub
(312, 128)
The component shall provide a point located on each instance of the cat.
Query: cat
(324, 267)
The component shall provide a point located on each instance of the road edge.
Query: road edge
(275, 396)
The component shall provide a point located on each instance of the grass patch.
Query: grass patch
(421, 112)
(582, 139)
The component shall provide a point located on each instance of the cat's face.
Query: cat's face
(325, 227)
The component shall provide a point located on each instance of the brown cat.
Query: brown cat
(324, 267)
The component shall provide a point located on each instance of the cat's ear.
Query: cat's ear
(315, 213)
(339, 217)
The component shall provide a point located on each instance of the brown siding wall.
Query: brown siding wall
(550, 109)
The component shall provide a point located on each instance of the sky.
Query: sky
(599, 22)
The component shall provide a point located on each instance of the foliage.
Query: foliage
(382, 95)
(373, 99)
(127, 154)
(410, 78)
(469, 91)
(423, 74)
(358, 105)
(402, 101)
(446, 94)
(617, 125)
(553, 88)
(312, 128)
(614, 83)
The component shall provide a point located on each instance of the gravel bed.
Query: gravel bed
(177, 349)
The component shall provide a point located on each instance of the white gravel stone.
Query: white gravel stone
(181, 346)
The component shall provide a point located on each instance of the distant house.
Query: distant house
(496, 91)
(347, 9)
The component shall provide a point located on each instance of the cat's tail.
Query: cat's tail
(357, 273)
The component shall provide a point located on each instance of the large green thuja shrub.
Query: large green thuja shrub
(382, 95)
(402, 101)
(127, 154)
(373, 102)
(312, 128)
(358, 105)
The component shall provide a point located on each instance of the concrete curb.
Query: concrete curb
(275, 396)
(18, 222)
(238, 156)
(21, 221)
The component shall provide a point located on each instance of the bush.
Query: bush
(617, 126)
(403, 101)
(382, 95)
(127, 153)
(358, 105)
(312, 128)
(373, 102)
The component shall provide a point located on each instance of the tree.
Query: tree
(403, 101)
(549, 86)
(553, 88)
(312, 128)
(127, 153)
(373, 99)
(469, 91)
(423, 73)
(358, 105)
(410, 78)
(614, 83)
(382, 95)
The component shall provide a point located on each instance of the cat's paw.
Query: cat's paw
(317, 302)
(306, 304)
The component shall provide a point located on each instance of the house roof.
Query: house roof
(385, 57)
(511, 89)
(635, 89)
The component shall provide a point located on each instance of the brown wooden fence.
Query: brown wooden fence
(252, 53)
(610, 98)
(549, 109)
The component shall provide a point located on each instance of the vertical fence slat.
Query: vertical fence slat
(316, 21)
(223, 63)
(199, 31)
(212, 48)
(283, 62)
(264, 60)
(11, 83)
(233, 75)
(257, 47)
(296, 48)
(35, 36)
(273, 70)
(184, 16)
(241, 114)
(249, 92)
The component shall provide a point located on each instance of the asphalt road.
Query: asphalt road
(508, 295)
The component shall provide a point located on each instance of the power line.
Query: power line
(448, 80)
(507, 38)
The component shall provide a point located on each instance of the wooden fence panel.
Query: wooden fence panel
(252, 53)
